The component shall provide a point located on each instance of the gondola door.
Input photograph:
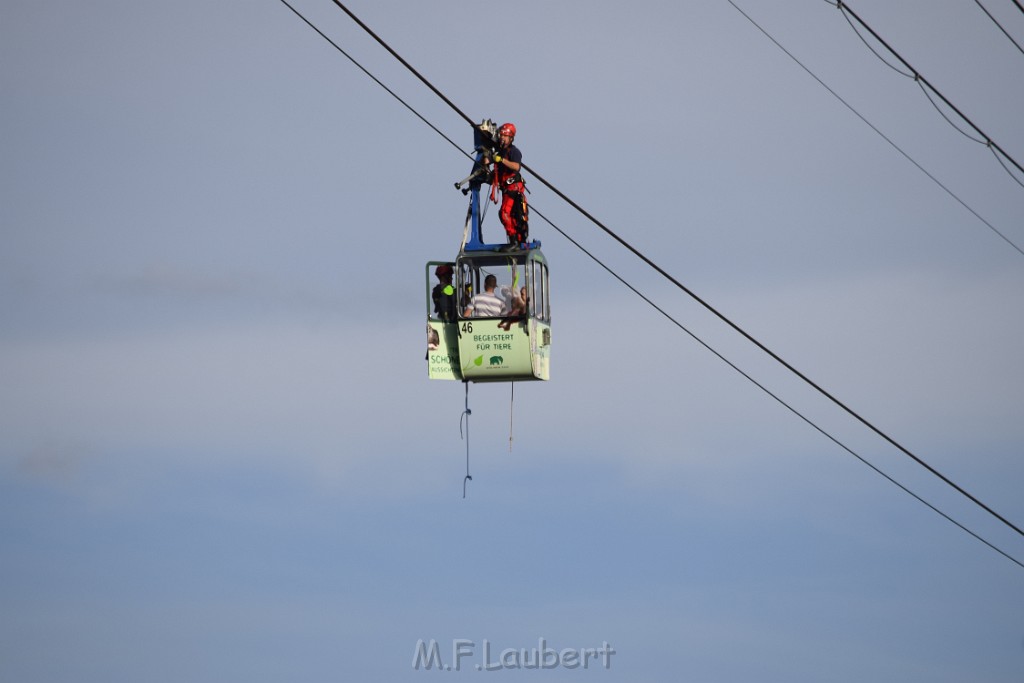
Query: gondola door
(442, 322)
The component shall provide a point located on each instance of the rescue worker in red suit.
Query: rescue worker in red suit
(507, 163)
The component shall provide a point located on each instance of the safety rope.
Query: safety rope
(494, 183)
(511, 401)
(465, 416)
(465, 229)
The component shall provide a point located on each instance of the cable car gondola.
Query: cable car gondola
(512, 346)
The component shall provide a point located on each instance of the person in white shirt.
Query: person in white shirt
(486, 304)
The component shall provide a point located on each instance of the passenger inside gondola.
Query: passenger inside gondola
(516, 306)
(486, 304)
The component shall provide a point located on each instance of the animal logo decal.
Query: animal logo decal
(493, 361)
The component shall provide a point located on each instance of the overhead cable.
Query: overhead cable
(701, 301)
(404, 63)
(845, 8)
(778, 399)
(882, 135)
(996, 22)
(365, 71)
(721, 316)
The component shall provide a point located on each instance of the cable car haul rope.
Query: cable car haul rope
(480, 332)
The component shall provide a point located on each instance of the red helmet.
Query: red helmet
(443, 269)
(508, 129)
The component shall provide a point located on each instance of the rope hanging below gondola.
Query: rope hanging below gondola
(465, 416)
(511, 402)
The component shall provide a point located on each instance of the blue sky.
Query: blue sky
(221, 456)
